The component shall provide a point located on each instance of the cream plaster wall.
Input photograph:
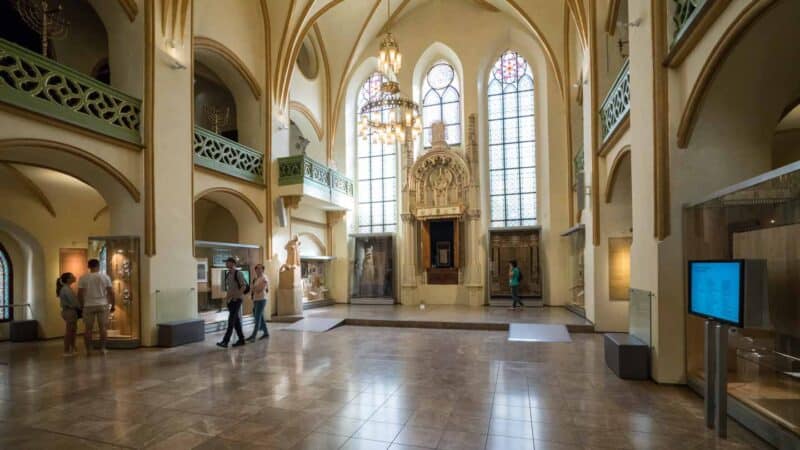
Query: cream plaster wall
(785, 147)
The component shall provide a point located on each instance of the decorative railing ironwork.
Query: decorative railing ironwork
(617, 104)
(684, 14)
(300, 169)
(215, 152)
(35, 83)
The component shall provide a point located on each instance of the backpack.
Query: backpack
(246, 286)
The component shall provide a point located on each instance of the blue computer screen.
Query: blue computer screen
(715, 290)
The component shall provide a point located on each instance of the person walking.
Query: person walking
(514, 277)
(259, 291)
(96, 298)
(70, 311)
(235, 288)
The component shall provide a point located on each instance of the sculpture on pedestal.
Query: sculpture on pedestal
(290, 286)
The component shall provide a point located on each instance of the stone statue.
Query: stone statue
(290, 286)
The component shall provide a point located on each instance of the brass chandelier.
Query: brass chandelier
(389, 118)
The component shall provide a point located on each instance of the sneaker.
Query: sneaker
(238, 343)
(222, 344)
(251, 339)
(266, 335)
(68, 354)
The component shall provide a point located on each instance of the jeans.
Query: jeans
(515, 297)
(234, 320)
(258, 314)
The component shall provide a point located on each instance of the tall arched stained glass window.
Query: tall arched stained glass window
(377, 171)
(441, 101)
(512, 143)
(5, 286)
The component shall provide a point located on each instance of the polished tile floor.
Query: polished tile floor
(351, 388)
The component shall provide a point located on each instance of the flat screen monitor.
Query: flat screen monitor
(716, 290)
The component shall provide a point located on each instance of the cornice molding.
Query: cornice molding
(32, 187)
(218, 48)
(250, 204)
(39, 145)
(717, 56)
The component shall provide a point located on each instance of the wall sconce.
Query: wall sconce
(172, 55)
(634, 23)
(282, 120)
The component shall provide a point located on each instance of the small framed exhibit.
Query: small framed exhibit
(202, 270)
(716, 290)
(619, 267)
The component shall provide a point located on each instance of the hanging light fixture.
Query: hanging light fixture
(389, 117)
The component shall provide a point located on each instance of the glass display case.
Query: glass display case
(211, 271)
(577, 239)
(373, 267)
(759, 220)
(119, 259)
(313, 271)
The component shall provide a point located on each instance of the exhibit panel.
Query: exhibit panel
(119, 259)
(211, 274)
(520, 245)
(373, 269)
(742, 248)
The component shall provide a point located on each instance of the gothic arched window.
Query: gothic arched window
(376, 172)
(6, 313)
(441, 101)
(512, 143)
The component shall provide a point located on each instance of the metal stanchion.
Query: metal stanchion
(710, 326)
(721, 381)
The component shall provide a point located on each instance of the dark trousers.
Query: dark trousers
(515, 296)
(234, 320)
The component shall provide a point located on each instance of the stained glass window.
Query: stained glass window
(512, 143)
(5, 286)
(441, 101)
(376, 172)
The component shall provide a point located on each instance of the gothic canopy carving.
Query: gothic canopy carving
(440, 181)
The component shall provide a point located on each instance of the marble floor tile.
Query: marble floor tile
(352, 387)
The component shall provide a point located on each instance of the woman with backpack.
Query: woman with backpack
(235, 289)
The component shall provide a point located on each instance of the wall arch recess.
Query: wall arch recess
(231, 192)
(614, 171)
(216, 47)
(67, 158)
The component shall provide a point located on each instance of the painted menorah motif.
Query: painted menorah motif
(217, 117)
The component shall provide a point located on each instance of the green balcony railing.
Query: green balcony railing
(684, 14)
(38, 84)
(215, 152)
(301, 169)
(617, 104)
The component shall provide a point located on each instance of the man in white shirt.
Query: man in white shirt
(95, 294)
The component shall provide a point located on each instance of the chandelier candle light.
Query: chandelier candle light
(391, 117)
